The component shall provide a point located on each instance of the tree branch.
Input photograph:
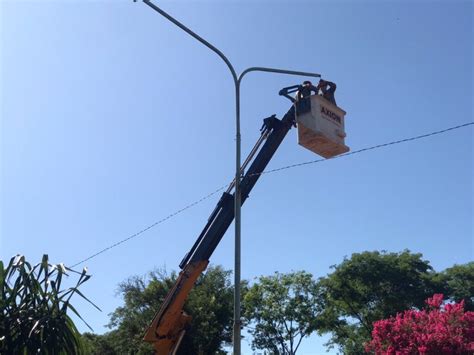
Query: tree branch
(299, 342)
(357, 316)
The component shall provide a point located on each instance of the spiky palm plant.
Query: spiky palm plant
(33, 308)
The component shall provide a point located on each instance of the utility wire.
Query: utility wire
(268, 172)
(370, 148)
(150, 226)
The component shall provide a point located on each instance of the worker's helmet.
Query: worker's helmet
(307, 82)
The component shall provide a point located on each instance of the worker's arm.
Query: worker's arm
(315, 89)
(290, 89)
(332, 86)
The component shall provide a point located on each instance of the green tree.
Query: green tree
(368, 287)
(283, 311)
(210, 303)
(99, 344)
(459, 281)
(33, 308)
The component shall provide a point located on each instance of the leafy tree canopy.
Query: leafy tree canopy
(282, 309)
(459, 281)
(368, 287)
(210, 303)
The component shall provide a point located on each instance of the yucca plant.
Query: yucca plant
(33, 308)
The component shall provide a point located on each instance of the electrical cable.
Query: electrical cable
(268, 172)
(150, 226)
(370, 148)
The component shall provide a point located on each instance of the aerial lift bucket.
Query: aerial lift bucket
(321, 127)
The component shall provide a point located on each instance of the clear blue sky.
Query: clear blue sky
(112, 118)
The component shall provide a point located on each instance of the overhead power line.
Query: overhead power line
(150, 226)
(370, 148)
(268, 172)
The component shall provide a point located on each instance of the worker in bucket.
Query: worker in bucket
(302, 98)
(305, 90)
(327, 89)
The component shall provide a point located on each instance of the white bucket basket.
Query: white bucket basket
(322, 129)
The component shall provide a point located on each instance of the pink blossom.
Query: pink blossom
(444, 330)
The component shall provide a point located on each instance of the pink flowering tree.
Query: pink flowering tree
(439, 329)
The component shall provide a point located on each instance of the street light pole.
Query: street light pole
(238, 173)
